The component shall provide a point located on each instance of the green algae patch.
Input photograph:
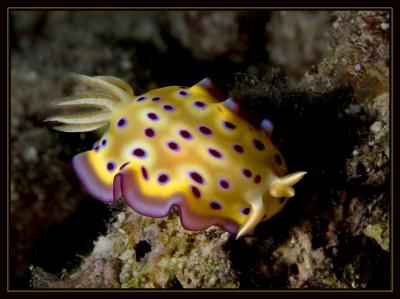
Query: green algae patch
(380, 235)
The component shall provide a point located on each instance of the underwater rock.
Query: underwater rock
(359, 55)
(136, 245)
(207, 33)
(297, 39)
(350, 198)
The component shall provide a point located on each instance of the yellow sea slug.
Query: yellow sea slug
(178, 146)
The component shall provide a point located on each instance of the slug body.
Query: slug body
(177, 146)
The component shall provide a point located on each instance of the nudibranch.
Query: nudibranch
(182, 147)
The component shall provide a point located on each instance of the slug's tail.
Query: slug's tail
(107, 94)
(282, 187)
(279, 187)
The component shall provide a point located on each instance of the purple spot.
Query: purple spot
(156, 99)
(152, 116)
(104, 142)
(213, 152)
(247, 172)
(215, 205)
(258, 144)
(183, 93)
(200, 104)
(196, 191)
(185, 134)
(138, 152)
(123, 165)
(96, 148)
(238, 148)
(229, 125)
(257, 179)
(122, 122)
(163, 178)
(205, 130)
(168, 107)
(149, 132)
(173, 145)
(140, 99)
(111, 166)
(245, 211)
(224, 184)
(144, 173)
(196, 177)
